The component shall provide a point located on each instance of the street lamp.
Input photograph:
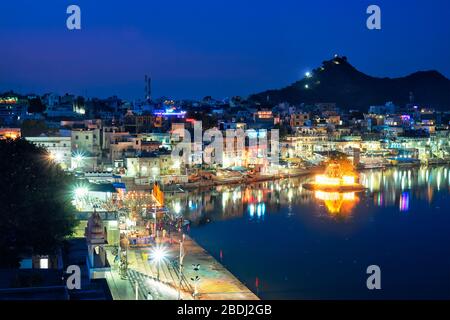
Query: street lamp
(81, 192)
(158, 255)
(55, 157)
(182, 254)
(79, 158)
(196, 279)
(80, 196)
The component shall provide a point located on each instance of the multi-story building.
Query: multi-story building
(144, 166)
(50, 99)
(112, 134)
(299, 119)
(147, 167)
(13, 110)
(86, 142)
(59, 147)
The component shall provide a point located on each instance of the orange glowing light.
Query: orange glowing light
(326, 180)
(348, 180)
(9, 134)
(338, 203)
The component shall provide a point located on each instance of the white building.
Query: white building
(86, 141)
(59, 147)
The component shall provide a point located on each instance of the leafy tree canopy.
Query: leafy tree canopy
(33, 128)
(36, 213)
(36, 106)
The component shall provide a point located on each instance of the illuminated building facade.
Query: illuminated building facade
(10, 133)
(12, 110)
(59, 147)
(86, 141)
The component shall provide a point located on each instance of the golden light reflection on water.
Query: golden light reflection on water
(398, 188)
(338, 203)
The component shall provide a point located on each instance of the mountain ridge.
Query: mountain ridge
(340, 82)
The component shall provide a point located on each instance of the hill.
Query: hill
(338, 81)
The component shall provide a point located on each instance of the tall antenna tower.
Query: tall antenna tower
(411, 97)
(148, 88)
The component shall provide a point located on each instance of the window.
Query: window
(43, 263)
(87, 137)
(26, 264)
(76, 137)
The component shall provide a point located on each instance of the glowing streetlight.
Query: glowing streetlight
(55, 156)
(158, 255)
(79, 158)
(80, 195)
(58, 156)
(177, 208)
(181, 257)
(308, 74)
(81, 192)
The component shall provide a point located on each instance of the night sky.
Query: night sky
(194, 48)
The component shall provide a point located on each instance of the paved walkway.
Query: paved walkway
(148, 287)
(121, 289)
(216, 282)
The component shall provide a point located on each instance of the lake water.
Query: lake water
(308, 245)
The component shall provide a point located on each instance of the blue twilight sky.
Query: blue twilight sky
(194, 48)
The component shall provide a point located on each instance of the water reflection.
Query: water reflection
(387, 188)
(394, 186)
(339, 204)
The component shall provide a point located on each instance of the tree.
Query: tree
(208, 121)
(36, 106)
(36, 213)
(33, 128)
